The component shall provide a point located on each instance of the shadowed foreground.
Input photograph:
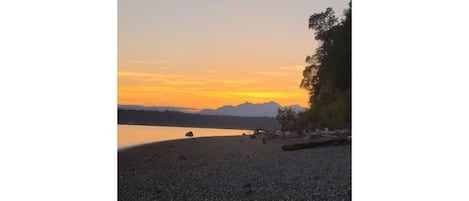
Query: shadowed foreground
(233, 168)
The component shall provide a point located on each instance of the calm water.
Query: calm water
(129, 135)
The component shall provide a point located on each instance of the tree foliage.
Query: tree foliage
(328, 74)
(287, 118)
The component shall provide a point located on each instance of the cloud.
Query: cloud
(282, 71)
(270, 73)
(236, 82)
(132, 74)
(147, 75)
(183, 82)
(252, 94)
(152, 79)
(149, 62)
(293, 68)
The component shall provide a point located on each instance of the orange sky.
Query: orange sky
(205, 54)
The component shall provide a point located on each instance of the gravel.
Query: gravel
(233, 168)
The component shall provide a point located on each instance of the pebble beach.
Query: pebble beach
(233, 168)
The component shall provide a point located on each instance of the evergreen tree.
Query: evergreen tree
(328, 75)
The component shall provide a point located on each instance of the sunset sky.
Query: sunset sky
(209, 53)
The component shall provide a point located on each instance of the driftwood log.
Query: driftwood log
(316, 143)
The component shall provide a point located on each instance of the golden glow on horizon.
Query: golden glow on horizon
(210, 90)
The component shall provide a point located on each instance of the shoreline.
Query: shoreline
(232, 168)
(135, 135)
(185, 126)
(168, 140)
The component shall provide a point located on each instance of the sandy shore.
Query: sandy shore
(233, 168)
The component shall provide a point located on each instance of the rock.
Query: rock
(189, 134)
(182, 158)
(248, 185)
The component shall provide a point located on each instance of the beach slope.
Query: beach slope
(233, 168)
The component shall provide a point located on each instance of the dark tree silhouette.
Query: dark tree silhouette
(287, 118)
(328, 75)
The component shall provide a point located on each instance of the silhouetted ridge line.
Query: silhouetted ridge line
(172, 118)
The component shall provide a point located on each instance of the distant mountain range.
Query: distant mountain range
(157, 108)
(247, 109)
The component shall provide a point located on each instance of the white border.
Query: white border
(58, 100)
